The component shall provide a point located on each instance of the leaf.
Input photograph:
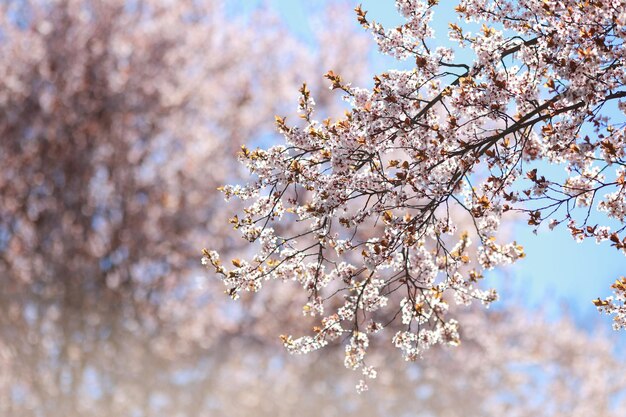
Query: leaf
(600, 303)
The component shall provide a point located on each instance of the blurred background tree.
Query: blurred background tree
(119, 120)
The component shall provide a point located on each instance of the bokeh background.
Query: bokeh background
(118, 121)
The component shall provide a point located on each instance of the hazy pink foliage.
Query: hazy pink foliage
(119, 120)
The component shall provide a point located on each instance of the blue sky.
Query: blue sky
(556, 267)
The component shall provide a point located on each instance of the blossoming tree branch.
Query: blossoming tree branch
(389, 215)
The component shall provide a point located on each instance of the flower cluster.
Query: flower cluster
(616, 304)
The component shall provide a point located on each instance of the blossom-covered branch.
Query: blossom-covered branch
(365, 211)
